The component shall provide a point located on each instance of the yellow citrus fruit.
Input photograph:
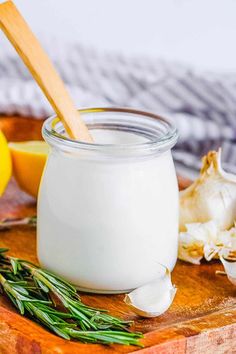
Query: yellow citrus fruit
(28, 158)
(5, 163)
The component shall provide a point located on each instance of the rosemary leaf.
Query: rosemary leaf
(7, 224)
(87, 317)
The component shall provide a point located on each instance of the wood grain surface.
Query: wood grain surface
(202, 318)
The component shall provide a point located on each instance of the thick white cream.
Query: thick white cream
(106, 224)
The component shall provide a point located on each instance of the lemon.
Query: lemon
(28, 158)
(5, 163)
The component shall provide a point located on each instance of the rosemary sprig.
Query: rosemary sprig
(6, 224)
(29, 288)
(86, 316)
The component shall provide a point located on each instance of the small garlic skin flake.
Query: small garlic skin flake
(230, 269)
(154, 298)
(211, 197)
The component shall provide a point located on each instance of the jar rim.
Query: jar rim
(162, 142)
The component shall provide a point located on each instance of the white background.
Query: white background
(199, 32)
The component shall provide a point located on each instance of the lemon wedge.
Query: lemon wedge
(28, 158)
(5, 163)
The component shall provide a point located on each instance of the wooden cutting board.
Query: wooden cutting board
(202, 318)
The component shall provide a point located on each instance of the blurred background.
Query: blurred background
(172, 57)
(198, 32)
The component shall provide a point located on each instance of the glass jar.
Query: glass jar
(108, 211)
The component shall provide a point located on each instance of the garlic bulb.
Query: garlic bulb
(211, 197)
(154, 298)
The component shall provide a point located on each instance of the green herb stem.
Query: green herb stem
(86, 316)
(29, 288)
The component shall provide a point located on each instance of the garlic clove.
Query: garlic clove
(191, 253)
(154, 298)
(211, 197)
(230, 269)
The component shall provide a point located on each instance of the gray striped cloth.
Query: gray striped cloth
(202, 105)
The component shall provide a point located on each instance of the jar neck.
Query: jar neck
(158, 134)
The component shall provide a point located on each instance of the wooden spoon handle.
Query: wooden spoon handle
(41, 68)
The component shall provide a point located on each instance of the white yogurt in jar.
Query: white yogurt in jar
(107, 220)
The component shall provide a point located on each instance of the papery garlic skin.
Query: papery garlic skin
(154, 298)
(226, 243)
(211, 197)
(193, 241)
(206, 240)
